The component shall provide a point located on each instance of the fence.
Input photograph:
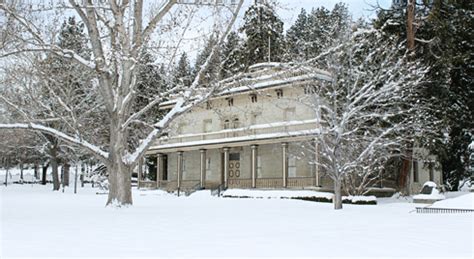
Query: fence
(429, 210)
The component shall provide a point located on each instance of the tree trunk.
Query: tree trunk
(75, 178)
(6, 177)
(82, 174)
(120, 178)
(66, 166)
(36, 171)
(44, 174)
(338, 194)
(21, 173)
(410, 28)
(54, 168)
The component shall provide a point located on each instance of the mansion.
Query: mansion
(257, 133)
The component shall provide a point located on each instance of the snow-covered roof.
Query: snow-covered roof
(266, 75)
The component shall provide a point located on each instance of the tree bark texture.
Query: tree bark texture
(66, 170)
(54, 168)
(410, 28)
(44, 174)
(120, 178)
(338, 194)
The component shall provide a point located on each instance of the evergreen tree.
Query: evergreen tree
(65, 80)
(444, 44)
(212, 72)
(318, 22)
(297, 38)
(182, 72)
(150, 83)
(315, 32)
(264, 32)
(231, 56)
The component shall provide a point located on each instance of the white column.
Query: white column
(254, 165)
(316, 166)
(203, 167)
(179, 168)
(284, 147)
(226, 167)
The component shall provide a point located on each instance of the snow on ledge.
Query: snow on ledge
(432, 196)
(277, 194)
(355, 199)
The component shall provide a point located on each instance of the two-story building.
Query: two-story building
(257, 133)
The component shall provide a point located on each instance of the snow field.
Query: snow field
(38, 222)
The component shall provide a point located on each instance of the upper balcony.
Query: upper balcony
(255, 134)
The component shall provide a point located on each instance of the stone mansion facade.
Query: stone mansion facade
(250, 135)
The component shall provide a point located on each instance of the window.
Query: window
(253, 97)
(279, 93)
(235, 123)
(227, 124)
(292, 166)
(183, 168)
(259, 165)
(207, 126)
(309, 89)
(230, 101)
(208, 105)
(208, 165)
(415, 171)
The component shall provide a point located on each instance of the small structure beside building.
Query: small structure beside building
(429, 194)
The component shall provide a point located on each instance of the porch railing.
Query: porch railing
(301, 182)
(240, 183)
(268, 183)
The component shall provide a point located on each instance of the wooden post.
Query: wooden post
(203, 168)
(285, 163)
(254, 165)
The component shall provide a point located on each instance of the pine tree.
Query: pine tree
(444, 44)
(318, 22)
(182, 72)
(264, 34)
(297, 39)
(231, 56)
(64, 79)
(212, 72)
(314, 33)
(150, 83)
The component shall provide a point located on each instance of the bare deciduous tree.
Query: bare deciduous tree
(117, 32)
(369, 111)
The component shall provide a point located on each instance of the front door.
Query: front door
(234, 165)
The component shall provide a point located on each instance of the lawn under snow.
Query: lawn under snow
(38, 222)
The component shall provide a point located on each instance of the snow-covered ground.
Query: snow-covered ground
(38, 222)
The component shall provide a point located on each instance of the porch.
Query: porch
(266, 166)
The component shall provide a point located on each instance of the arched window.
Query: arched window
(235, 123)
(227, 124)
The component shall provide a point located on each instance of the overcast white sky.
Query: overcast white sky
(288, 11)
(358, 8)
